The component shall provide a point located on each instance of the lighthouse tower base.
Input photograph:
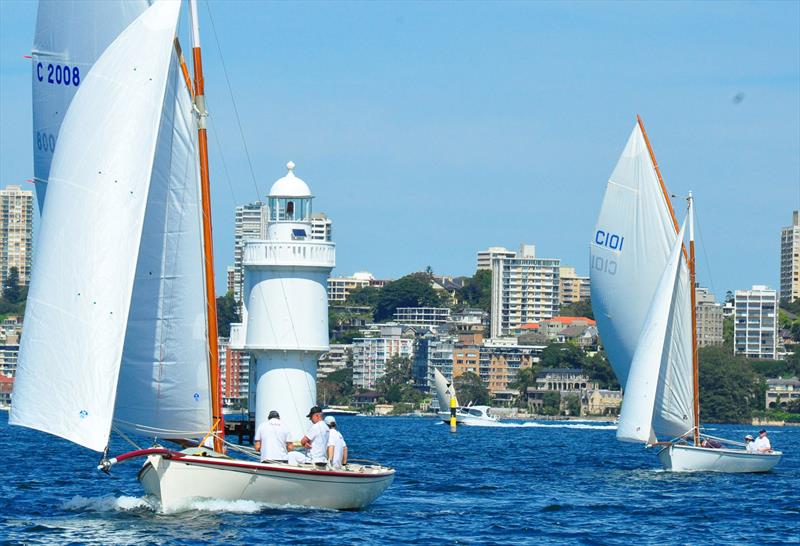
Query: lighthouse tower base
(286, 381)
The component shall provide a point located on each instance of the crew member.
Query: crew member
(337, 447)
(272, 439)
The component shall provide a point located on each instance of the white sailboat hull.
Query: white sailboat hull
(688, 458)
(175, 482)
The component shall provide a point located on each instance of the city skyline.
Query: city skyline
(430, 133)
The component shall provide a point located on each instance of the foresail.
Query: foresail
(163, 387)
(443, 391)
(629, 250)
(83, 275)
(652, 375)
(69, 38)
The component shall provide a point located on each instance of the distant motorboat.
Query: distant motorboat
(465, 415)
(338, 411)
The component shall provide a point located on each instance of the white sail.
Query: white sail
(630, 248)
(88, 244)
(70, 36)
(163, 385)
(657, 380)
(444, 390)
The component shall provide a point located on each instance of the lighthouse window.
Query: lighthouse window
(290, 210)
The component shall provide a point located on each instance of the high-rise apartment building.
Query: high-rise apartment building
(755, 323)
(572, 288)
(370, 354)
(340, 287)
(790, 260)
(524, 289)
(16, 233)
(250, 223)
(709, 319)
(321, 227)
(485, 256)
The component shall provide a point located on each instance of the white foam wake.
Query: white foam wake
(534, 424)
(107, 503)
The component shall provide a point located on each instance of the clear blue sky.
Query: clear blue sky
(431, 130)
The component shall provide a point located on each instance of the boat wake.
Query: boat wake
(110, 503)
(107, 503)
(534, 424)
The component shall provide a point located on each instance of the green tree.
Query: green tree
(337, 387)
(410, 291)
(727, 334)
(573, 404)
(562, 355)
(582, 308)
(471, 390)
(477, 291)
(526, 377)
(599, 369)
(227, 312)
(729, 388)
(396, 383)
(551, 403)
(364, 295)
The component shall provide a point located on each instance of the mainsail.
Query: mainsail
(69, 38)
(444, 391)
(115, 148)
(631, 248)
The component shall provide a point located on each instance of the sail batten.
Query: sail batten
(83, 274)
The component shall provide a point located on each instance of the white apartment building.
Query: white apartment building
(321, 227)
(16, 233)
(755, 322)
(370, 354)
(709, 319)
(334, 360)
(422, 316)
(250, 223)
(485, 257)
(572, 288)
(790, 260)
(340, 287)
(524, 289)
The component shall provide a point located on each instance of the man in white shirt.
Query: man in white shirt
(748, 444)
(337, 447)
(272, 439)
(762, 445)
(316, 439)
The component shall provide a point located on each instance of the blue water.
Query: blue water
(550, 484)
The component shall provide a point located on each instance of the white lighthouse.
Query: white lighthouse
(286, 305)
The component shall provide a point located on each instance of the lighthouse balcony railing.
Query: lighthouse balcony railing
(289, 253)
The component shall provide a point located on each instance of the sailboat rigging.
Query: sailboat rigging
(120, 326)
(644, 300)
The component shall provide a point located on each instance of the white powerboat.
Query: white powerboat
(465, 415)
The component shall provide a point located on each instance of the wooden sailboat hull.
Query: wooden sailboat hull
(688, 458)
(175, 482)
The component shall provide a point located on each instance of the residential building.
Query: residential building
(337, 358)
(755, 323)
(234, 366)
(6, 387)
(10, 332)
(709, 319)
(250, 223)
(501, 360)
(432, 351)
(572, 288)
(600, 402)
(467, 355)
(782, 392)
(340, 287)
(524, 289)
(790, 260)
(16, 233)
(431, 317)
(321, 227)
(553, 327)
(485, 257)
(371, 354)
(468, 321)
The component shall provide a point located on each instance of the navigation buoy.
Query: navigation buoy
(452, 413)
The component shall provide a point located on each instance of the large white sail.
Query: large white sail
(163, 386)
(444, 390)
(658, 394)
(88, 245)
(70, 36)
(629, 250)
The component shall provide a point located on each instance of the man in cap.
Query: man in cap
(316, 439)
(748, 444)
(272, 439)
(762, 445)
(337, 447)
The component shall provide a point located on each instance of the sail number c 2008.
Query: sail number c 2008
(58, 74)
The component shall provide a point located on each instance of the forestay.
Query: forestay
(88, 244)
(164, 381)
(69, 38)
(629, 251)
(658, 393)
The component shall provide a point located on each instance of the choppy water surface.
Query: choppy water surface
(531, 483)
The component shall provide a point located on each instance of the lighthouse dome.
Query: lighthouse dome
(290, 185)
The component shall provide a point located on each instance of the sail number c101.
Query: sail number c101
(58, 74)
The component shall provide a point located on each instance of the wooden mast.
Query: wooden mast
(218, 425)
(695, 362)
(690, 260)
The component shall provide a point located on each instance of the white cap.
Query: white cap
(330, 420)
